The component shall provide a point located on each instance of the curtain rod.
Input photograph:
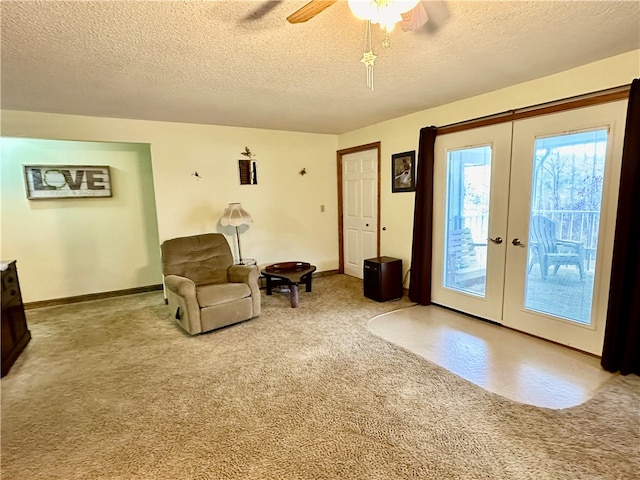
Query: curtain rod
(594, 98)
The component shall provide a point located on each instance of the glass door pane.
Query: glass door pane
(470, 205)
(467, 219)
(566, 198)
(562, 213)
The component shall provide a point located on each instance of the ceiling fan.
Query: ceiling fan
(412, 15)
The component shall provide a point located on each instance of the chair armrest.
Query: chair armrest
(183, 286)
(242, 274)
(249, 275)
(578, 247)
(570, 243)
(181, 293)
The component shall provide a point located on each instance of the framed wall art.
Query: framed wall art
(66, 181)
(403, 172)
(248, 172)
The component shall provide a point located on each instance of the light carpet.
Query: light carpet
(112, 389)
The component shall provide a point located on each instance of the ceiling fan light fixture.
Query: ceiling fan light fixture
(384, 12)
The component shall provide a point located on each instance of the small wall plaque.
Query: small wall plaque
(248, 172)
(66, 181)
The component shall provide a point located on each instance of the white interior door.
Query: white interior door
(565, 174)
(471, 189)
(360, 209)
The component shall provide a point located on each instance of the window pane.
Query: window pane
(566, 198)
(467, 219)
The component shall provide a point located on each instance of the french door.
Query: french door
(471, 199)
(525, 215)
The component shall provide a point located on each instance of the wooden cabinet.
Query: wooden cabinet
(14, 335)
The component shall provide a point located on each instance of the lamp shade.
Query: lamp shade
(235, 215)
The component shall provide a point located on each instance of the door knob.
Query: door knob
(516, 242)
(367, 225)
(497, 240)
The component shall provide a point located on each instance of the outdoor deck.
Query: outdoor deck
(561, 295)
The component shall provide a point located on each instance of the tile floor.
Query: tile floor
(517, 366)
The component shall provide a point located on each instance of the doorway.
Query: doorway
(524, 220)
(358, 207)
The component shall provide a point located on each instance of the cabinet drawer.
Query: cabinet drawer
(10, 289)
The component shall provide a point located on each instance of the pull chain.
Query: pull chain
(368, 58)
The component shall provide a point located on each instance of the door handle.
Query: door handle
(516, 242)
(497, 240)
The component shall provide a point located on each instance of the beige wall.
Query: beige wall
(288, 223)
(401, 134)
(77, 246)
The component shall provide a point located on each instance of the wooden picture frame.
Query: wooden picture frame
(248, 170)
(45, 182)
(403, 172)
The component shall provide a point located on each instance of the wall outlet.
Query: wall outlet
(321, 208)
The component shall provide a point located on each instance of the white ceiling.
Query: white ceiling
(210, 62)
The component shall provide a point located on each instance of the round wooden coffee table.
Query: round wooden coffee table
(291, 274)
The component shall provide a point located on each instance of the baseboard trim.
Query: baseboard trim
(118, 293)
(91, 296)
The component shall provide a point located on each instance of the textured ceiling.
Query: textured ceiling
(216, 62)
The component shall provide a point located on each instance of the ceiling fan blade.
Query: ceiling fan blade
(310, 10)
(438, 13)
(414, 18)
(430, 14)
(262, 10)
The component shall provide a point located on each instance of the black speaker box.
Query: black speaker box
(383, 278)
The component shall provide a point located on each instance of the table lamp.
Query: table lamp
(235, 215)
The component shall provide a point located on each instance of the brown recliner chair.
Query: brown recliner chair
(205, 290)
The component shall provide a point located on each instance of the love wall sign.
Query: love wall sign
(66, 181)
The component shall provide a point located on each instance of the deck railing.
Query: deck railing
(577, 225)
